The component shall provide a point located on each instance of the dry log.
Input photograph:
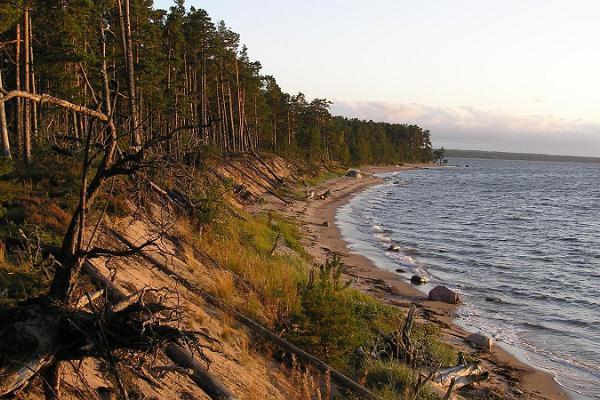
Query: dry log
(84, 301)
(462, 375)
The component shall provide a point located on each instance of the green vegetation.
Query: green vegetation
(178, 69)
(315, 308)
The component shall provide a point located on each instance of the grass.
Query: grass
(324, 175)
(391, 380)
(244, 247)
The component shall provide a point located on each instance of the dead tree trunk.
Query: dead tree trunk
(4, 126)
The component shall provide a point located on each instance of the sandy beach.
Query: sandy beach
(510, 377)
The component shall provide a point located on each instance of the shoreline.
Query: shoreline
(509, 375)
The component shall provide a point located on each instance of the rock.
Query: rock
(418, 280)
(325, 195)
(493, 300)
(400, 270)
(480, 341)
(394, 247)
(445, 295)
(326, 224)
(354, 173)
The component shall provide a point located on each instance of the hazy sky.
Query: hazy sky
(513, 75)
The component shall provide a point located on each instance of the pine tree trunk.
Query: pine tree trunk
(4, 126)
(18, 118)
(233, 132)
(125, 22)
(33, 83)
(27, 116)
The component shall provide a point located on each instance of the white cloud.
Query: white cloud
(469, 128)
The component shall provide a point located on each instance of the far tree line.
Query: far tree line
(155, 71)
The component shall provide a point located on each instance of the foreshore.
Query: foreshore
(510, 377)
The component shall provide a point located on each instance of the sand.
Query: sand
(510, 377)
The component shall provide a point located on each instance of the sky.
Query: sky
(511, 75)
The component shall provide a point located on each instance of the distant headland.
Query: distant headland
(501, 155)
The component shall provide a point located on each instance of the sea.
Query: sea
(519, 239)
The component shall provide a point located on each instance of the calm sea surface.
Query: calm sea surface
(521, 241)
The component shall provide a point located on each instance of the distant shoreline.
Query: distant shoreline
(501, 155)
(534, 383)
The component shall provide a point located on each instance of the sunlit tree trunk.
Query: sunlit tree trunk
(125, 23)
(18, 118)
(4, 127)
(27, 116)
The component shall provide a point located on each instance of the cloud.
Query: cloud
(469, 128)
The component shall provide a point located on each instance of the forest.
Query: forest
(130, 133)
(155, 71)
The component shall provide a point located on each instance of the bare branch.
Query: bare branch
(45, 98)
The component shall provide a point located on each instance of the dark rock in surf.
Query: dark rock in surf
(493, 300)
(394, 247)
(444, 295)
(418, 280)
(400, 270)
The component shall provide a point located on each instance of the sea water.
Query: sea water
(519, 239)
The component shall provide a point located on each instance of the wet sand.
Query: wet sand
(511, 378)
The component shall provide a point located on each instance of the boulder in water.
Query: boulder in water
(445, 295)
(394, 247)
(400, 270)
(418, 280)
(493, 300)
(480, 341)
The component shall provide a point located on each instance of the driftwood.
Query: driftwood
(324, 195)
(460, 376)
(338, 377)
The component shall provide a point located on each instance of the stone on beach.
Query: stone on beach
(418, 280)
(354, 173)
(481, 341)
(445, 295)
